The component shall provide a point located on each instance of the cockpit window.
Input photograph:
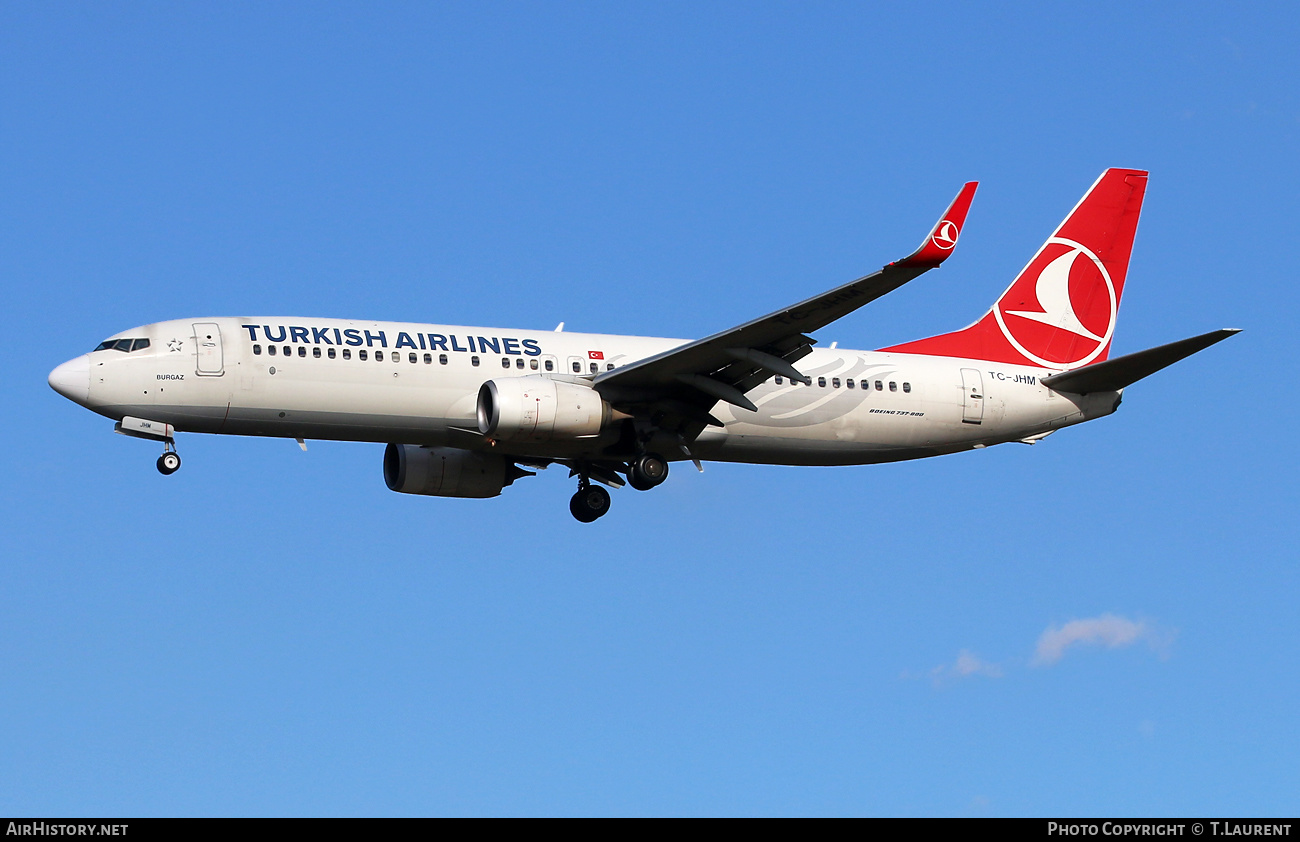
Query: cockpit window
(127, 345)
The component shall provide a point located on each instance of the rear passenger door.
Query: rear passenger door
(972, 407)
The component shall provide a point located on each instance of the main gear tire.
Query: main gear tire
(589, 503)
(647, 472)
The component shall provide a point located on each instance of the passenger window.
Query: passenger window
(140, 345)
(302, 350)
(270, 349)
(361, 355)
(849, 382)
(257, 350)
(609, 366)
(505, 362)
(329, 352)
(519, 362)
(907, 387)
(893, 387)
(778, 381)
(473, 360)
(288, 351)
(315, 352)
(835, 383)
(442, 359)
(347, 353)
(379, 356)
(577, 367)
(428, 359)
(880, 387)
(821, 382)
(550, 365)
(413, 358)
(532, 364)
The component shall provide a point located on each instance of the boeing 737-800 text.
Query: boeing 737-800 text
(466, 411)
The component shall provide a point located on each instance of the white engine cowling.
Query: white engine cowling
(539, 409)
(445, 471)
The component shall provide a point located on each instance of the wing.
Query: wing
(676, 389)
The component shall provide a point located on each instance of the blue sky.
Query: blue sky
(1101, 624)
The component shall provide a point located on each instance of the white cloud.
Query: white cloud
(1108, 630)
(967, 665)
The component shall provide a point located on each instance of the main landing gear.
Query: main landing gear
(170, 462)
(647, 472)
(590, 502)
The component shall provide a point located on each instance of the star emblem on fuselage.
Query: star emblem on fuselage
(175, 345)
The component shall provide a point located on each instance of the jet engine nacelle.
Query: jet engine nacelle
(539, 409)
(446, 471)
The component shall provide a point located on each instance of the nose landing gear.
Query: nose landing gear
(142, 428)
(170, 462)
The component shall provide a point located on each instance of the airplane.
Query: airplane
(467, 411)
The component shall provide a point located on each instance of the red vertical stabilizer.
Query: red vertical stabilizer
(1061, 309)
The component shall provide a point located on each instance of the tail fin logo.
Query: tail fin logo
(1062, 317)
(945, 236)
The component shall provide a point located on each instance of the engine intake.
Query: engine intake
(447, 471)
(539, 409)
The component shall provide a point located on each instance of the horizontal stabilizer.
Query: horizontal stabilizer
(1113, 375)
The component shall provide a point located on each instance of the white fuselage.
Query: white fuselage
(418, 384)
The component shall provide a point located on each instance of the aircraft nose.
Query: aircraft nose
(72, 379)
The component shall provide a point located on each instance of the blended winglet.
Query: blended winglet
(943, 237)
